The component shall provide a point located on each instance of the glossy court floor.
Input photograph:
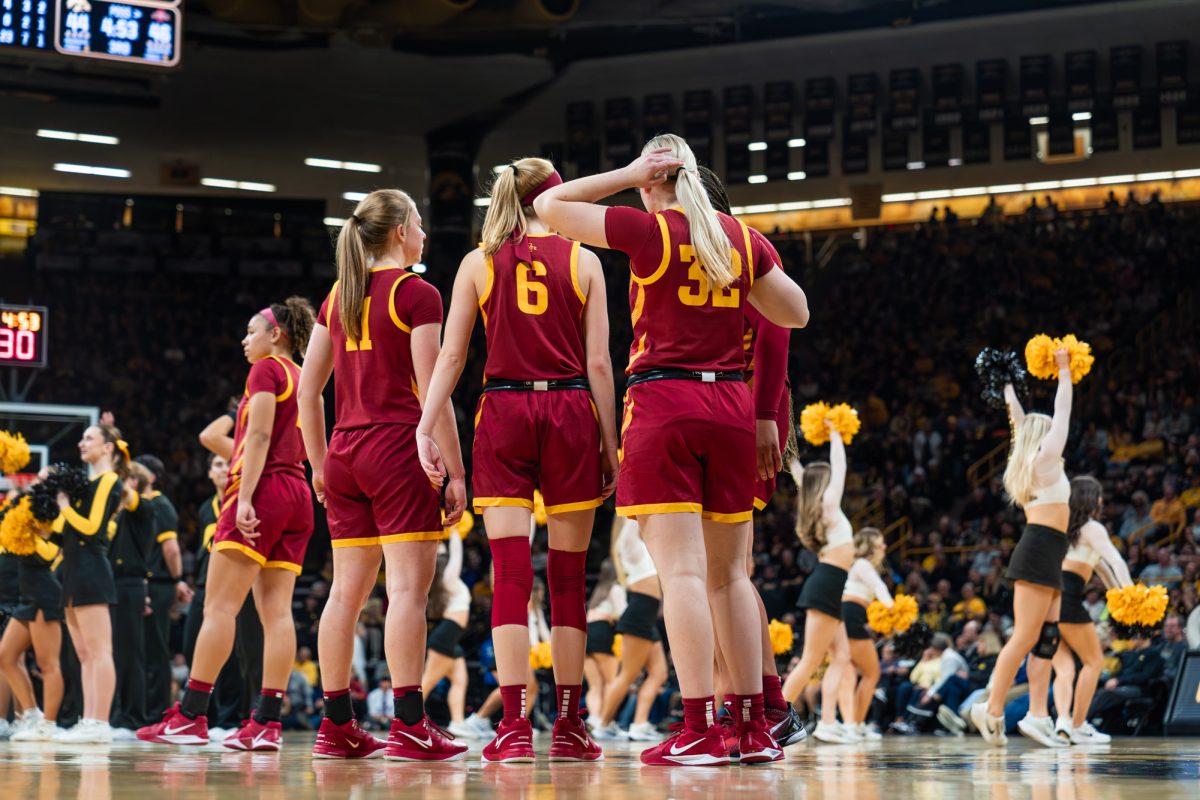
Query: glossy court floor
(895, 769)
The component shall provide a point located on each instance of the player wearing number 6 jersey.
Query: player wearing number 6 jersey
(379, 330)
(546, 419)
(687, 471)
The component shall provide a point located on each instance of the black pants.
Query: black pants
(1109, 704)
(158, 648)
(129, 654)
(227, 708)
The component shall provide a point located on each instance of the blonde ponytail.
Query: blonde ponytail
(506, 214)
(810, 510)
(713, 250)
(364, 236)
(1018, 475)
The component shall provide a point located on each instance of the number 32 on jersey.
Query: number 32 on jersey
(698, 295)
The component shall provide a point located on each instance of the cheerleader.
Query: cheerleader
(547, 420)
(687, 471)
(641, 643)
(1090, 551)
(261, 536)
(1035, 481)
(450, 605)
(766, 347)
(379, 329)
(605, 607)
(823, 528)
(36, 621)
(863, 585)
(88, 587)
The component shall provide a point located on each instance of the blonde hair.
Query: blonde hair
(810, 514)
(365, 235)
(713, 251)
(1018, 475)
(865, 542)
(505, 213)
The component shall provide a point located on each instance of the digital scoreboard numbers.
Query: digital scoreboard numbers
(23, 335)
(134, 31)
(146, 33)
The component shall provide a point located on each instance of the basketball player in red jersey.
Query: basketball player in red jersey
(379, 330)
(766, 348)
(687, 471)
(263, 530)
(547, 419)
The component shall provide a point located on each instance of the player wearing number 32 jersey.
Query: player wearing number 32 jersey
(688, 464)
(546, 420)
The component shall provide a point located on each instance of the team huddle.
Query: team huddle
(705, 428)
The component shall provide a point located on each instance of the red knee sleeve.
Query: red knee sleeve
(568, 596)
(514, 580)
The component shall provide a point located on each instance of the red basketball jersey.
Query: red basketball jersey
(533, 313)
(374, 379)
(285, 453)
(679, 321)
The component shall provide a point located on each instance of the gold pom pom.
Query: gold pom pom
(539, 509)
(14, 452)
(616, 651)
(782, 637)
(19, 530)
(1138, 605)
(845, 421)
(879, 618)
(1039, 356)
(812, 424)
(904, 612)
(539, 656)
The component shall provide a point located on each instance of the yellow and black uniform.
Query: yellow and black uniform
(38, 588)
(132, 537)
(209, 511)
(162, 598)
(87, 575)
(10, 568)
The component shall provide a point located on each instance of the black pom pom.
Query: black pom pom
(912, 643)
(997, 368)
(43, 499)
(72, 481)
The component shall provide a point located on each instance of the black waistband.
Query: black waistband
(536, 386)
(682, 375)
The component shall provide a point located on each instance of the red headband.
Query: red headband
(553, 180)
(269, 316)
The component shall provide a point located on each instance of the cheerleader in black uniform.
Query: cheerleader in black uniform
(10, 565)
(37, 622)
(87, 578)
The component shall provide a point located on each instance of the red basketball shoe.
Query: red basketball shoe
(688, 748)
(345, 741)
(572, 743)
(756, 744)
(513, 743)
(254, 735)
(175, 728)
(421, 742)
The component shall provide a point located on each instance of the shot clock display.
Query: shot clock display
(23, 332)
(131, 31)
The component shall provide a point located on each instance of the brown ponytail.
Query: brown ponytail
(120, 456)
(505, 213)
(296, 317)
(1085, 504)
(365, 235)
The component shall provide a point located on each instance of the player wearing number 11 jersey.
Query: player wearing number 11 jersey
(546, 419)
(687, 471)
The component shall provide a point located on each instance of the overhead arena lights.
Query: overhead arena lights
(420, 269)
(795, 205)
(1040, 186)
(245, 186)
(796, 143)
(757, 179)
(84, 169)
(335, 222)
(353, 166)
(355, 197)
(18, 191)
(755, 147)
(69, 136)
(483, 202)
(1039, 120)
(1082, 116)
(797, 176)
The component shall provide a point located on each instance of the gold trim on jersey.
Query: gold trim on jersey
(759, 505)
(165, 535)
(741, 516)
(575, 273)
(566, 508)
(502, 502)
(392, 302)
(291, 384)
(289, 566)
(479, 413)
(249, 552)
(660, 508)
(749, 252)
(641, 351)
(487, 286)
(90, 525)
(666, 255)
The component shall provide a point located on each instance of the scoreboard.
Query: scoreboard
(130, 31)
(23, 335)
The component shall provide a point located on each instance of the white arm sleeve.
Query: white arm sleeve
(1095, 536)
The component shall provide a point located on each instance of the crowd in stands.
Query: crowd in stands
(898, 316)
